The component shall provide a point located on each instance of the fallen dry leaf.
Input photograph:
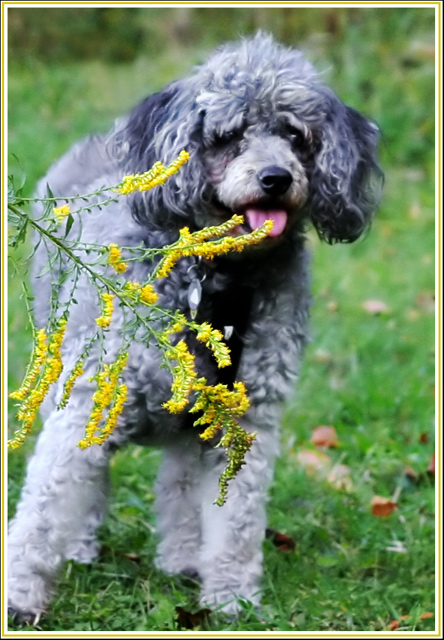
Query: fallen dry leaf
(280, 540)
(314, 462)
(375, 307)
(426, 614)
(324, 436)
(394, 625)
(382, 507)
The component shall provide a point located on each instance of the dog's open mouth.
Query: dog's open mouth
(255, 215)
(255, 218)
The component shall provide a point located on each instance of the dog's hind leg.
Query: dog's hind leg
(63, 496)
(178, 509)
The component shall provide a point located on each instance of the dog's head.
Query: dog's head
(267, 139)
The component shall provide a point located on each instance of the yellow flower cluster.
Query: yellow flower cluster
(219, 406)
(199, 243)
(157, 175)
(38, 358)
(107, 311)
(69, 384)
(139, 293)
(108, 391)
(184, 376)
(115, 258)
(213, 339)
(220, 409)
(33, 398)
(148, 294)
(61, 212)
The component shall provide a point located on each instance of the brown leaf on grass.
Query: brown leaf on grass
(394, 625)
(382, 507)
(280, 540)
(426, 614)
(424, 438)
(324, 436)
(375, 307)
(187, 620)
(314, 462)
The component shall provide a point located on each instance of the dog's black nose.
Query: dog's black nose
(274, 180)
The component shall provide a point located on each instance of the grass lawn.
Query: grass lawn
(369, 371)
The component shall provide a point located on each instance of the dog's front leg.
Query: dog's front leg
(61, 505)
(231, 558)
(272, 348)
(178, 489)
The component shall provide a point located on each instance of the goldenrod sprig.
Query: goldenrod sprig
(199, 243)
(61, 212)
(221, 408)
(107, 310)
(213, 339)
(109, 394)
(236, 442)
(140, 293)
(69, 384)
(184, 376)
(33, 397)
(157, 175)
(115, 259)
(38, 358)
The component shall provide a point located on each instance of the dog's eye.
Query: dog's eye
(221, 139)
(296, 137)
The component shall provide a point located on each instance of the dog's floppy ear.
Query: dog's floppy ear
(346, 180)
(157, 129)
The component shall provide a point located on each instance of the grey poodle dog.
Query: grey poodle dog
(268, 140)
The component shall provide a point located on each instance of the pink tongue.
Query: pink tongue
(257, 217)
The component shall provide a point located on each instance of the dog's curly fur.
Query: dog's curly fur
(268, 139)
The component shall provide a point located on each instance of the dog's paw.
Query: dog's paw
(24, 617)
(176, 565)
(83, 552)
(226, 603)
(28, 596)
